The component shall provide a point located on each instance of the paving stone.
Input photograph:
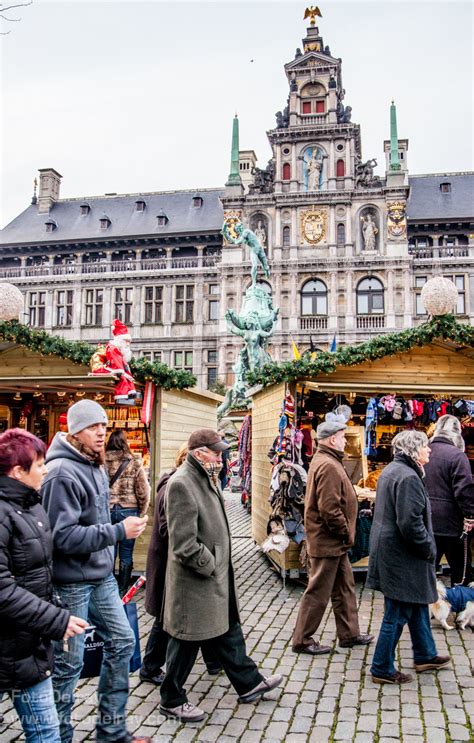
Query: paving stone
(459, 732)
(367, 723)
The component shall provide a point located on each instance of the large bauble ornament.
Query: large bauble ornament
(439, 296)
(11, 302)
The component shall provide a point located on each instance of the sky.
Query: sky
(133, 97)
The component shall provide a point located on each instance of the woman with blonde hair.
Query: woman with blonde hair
(451, 492)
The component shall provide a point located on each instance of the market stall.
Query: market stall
(391, 382)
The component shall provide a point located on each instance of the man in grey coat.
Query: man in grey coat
(200, 606)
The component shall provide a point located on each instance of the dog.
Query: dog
(459, 600)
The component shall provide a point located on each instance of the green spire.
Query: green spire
(234, 176)
(394, 161)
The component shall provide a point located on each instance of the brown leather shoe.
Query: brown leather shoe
(314, 649)
(439, 661)
(396, 678)
(359, 640)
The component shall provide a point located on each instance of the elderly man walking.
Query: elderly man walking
(330, 520)
(200, 608)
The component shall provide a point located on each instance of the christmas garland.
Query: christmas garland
(445, 326)
(80, 353)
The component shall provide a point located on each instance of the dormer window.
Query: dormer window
(85, 209)
(140, 205)
(162, 219)
(197, 200)
(50, 225)
(105, 222)
(445, 187)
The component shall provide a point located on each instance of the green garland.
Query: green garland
(445, 326)
(80, 353)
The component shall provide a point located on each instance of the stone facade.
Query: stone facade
(349, 252)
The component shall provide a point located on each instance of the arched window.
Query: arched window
(265, 286)
(341, 235)
(314, 298)
(286, 237)
(369, 294)
(340, 169)
(286, 171)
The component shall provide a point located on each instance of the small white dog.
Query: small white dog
(459, 600)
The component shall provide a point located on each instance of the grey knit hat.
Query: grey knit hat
(83, 414)
(330, 426)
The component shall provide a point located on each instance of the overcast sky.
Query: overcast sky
(139, 96)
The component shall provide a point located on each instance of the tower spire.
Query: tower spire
(234, 175)
(394, 160)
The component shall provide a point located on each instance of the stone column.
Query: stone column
(331, 168)
(390, 300)
(332, 302)
(349, 178)
(294, 233)
(168, 300)
(294, 306)
(200, 250)
(294, 170)
(278, 174)
(408, 292)
(350, 303)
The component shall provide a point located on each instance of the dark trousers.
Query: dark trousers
(228, 649)
(453, 549)
(397, 615)
(156, 647)
(330, 578)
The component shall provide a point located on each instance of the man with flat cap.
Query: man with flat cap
(330, 522)
(200, 608)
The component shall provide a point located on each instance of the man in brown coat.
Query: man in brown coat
(330, 521)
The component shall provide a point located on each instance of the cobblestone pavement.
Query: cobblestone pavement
(329, 698)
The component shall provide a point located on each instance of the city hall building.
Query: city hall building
(349, 251)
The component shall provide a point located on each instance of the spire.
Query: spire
(394, 161)
(234, 176)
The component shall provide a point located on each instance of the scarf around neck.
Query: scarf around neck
(97, 458)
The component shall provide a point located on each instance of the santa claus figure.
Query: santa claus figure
(114, 360)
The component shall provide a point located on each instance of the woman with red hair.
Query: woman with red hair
(29, 621)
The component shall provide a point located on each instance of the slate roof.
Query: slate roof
(126, 221)
(427, 201)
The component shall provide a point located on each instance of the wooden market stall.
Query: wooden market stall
(39, 379)
(434, 361)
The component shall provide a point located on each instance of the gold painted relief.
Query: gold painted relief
(313, 224)
(231, 217)
(397, 220)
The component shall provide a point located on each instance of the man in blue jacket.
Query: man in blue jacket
(76, 497)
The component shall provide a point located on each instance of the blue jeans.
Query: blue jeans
(397, 615)
(100, 603)
(37, 713)
(125, 546)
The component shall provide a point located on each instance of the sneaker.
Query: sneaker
(359, 640)
(439, 661)
(185, 712)
(148, 679)
(395, 678)
(314, 649)
(267, 684)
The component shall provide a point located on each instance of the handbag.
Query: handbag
(94, 646)
(120, 470)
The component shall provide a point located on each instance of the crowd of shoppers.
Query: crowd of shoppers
(67, 512)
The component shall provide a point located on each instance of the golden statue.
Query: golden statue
(311, 13)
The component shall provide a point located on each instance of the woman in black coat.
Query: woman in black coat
(402, 560)
(157, 558)
(451, 492)
(28, 620)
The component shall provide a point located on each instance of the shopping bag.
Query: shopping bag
(94, 646)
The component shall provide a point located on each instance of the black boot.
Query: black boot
(125, 573)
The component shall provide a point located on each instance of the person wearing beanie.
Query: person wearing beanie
(75, 496)
(330, 521)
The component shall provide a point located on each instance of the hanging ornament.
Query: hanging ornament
(439, 296)
(11, 302)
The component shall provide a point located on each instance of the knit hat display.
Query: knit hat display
(330, 426)
(83, 414)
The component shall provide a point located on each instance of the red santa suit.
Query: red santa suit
(114, 363)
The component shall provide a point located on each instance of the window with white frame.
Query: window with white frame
(213, 309)
(460, 283)
(420, 281)
(64, 302)
(94, 307)
(184, 303)
(153, 305)
(37, 309)
(370, 297)
(314, 298)
(123, 300)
